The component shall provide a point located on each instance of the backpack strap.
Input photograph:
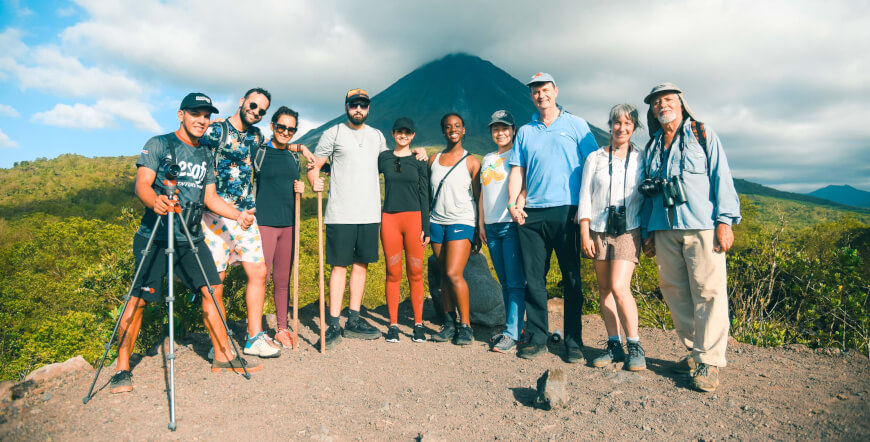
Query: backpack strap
(700, 134)
(438, 191)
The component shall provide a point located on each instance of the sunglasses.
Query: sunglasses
(398, 165)
(285, 129)
(253, 106)
(358, 104)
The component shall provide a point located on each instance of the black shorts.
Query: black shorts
(350, 243)
(150, 281)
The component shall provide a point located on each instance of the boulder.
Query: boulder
(551, 390)
(52, 371)
(484, 292)
(6, 391)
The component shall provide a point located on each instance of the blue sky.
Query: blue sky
(784, 83)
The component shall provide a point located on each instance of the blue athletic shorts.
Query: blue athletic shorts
(440, 233)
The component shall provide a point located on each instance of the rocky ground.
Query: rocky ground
(373, 390)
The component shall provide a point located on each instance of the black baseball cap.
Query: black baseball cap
(503, 117)
(196, 100)
(403, 123)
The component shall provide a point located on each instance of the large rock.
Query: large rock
(551, 390)
(52, 371)
(484, 292)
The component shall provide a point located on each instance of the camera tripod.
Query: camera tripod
(174, 209)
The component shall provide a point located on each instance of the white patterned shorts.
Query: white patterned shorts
(229, 243)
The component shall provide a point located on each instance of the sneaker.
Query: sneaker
(636, 361)
(528, 350)
(504, 344)
(211, 352)
(464, 336)
(574, 355)
(284, 338)
(613, 353)
(235, 365)
(448, 330)
(360, 329)
(260, 346)
(393, 334)
(687, 365)
(419, 333)
(706, 377)
(333, 336)
(121, 382)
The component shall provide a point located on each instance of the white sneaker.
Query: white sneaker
(211, 352)
(261, 347)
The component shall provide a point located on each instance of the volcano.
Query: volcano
(462, 83)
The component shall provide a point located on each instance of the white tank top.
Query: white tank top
(455, 203)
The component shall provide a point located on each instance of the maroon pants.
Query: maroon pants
(278, 252)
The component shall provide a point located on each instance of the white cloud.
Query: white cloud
(8, 111)
(6, 142)
(100, 116)
(77, 116)
(66, 12)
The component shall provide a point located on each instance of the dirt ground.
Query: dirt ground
(374, 390)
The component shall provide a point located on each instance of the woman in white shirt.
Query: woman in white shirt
(609, 216)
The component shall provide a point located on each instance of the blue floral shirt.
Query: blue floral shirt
(233, 167)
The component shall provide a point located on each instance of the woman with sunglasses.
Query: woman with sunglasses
(455, 187)
(277, 180)
(404, 224)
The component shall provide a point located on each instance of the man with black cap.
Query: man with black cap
(353, 211)
(195, 184)
(547, 160)
(689, 209)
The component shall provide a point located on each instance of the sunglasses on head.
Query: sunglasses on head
(285, 129)
(253, 106)
(358, 104)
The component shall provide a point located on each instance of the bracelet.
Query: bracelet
(511, 205)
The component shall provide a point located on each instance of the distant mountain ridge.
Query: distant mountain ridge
(844, 194)
(462, 83)
(749, 188)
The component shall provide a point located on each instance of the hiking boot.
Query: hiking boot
(333, 336)
(636, 361)
(448, 330)
(613, 353)
(284, 338)
(211, 352)
(574, 355)
(393, 334)
(706, 377)
(503, 344)
(260, 346)
(419, 333)
(528, 350)
(463, 336)
(360, 329)
(121, 382)
(235, 365)
(686, 365)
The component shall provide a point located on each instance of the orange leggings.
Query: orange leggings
(402, 230)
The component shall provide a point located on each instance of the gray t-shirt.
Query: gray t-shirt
(354, 187)
(196, 172)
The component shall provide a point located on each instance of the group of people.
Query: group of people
(546, 187)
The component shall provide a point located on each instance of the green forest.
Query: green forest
(798, 272)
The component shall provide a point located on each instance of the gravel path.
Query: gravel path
(373, 390)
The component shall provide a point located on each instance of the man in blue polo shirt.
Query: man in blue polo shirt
(547, 160)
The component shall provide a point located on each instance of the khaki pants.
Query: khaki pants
(693, 282)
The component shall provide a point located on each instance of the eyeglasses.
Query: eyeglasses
(358, 104)
(285, 129)
(398, 165)
(253, 106)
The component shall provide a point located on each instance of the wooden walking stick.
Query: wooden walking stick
(320, 261)
(296, 231)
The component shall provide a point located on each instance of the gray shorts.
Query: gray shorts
(625, 247)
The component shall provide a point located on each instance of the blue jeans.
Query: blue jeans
(504, 249)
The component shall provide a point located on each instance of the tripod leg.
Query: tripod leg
(127, 297)
(322, 270)
(194, 249)
(170, 301)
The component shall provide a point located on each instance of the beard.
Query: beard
(665, 119)
(356, 118)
